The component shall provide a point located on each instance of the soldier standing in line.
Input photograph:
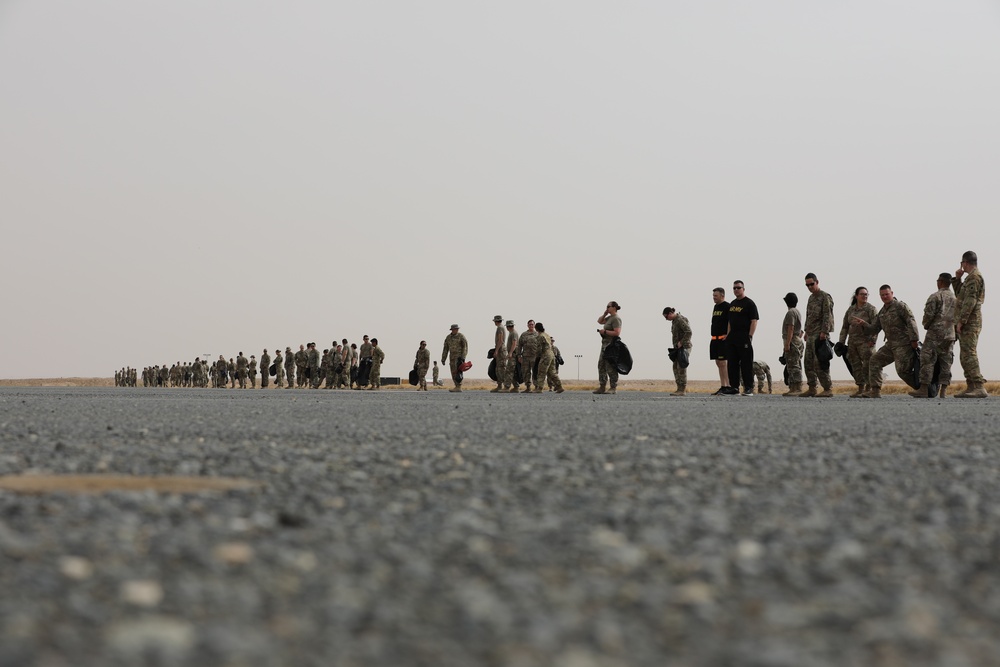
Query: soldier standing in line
(763, 372)
(546, 361)
(511, 382)
(612, 328)
(354, 364)
(221, 368)
(279, 369)
(289, 368)
(818, 325)
(252, 372)
(312, 366)
(559, 360)
(791, 341)
(301, 367)
(241, 370)
(421, 364)
(860, 344)
(743, 319)
(717, 345)
(680, 336)
(265, 368)
(901, 338)
(436, 375)
(939, 342)
(456, 347)
(364, 352)
(375, 376)
(325, 371)
(970, 295)
(499, 354)
(343, 365)
(527, 354)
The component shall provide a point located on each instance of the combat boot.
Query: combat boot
(873, 392)
(976, 390)
(496, 390)
(918, 392)
(538, 389)
(809, 393)
(794, 390)
(611, 390)
(456, 389)
(857, 394)
(527, 388)
(513, 390)
(942, 391)
(601, 390)
(826, 393)
(681, 390)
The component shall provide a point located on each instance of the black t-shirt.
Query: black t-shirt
(720, 318)
(741, 311)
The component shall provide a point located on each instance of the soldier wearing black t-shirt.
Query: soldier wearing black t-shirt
(717, 346)
(739, 340)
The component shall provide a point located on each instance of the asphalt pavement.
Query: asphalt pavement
(407, 528)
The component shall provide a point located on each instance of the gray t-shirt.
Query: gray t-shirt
(613, 322)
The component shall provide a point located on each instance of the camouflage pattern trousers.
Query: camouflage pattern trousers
(902, 355)
(502, 380)
(940, 354)
(813, 370)
(510, 374)
(547, 371)
(453, 365)
(968, 341)
(793, 362)
(375, 376)
(606, 371)
(290, 376)
(528, 371)
(859, 353)
(279, 376)
(680, 375)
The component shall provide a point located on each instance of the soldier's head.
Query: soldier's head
(860, 295)
(241, 353)
(944, 280)
(738, 289)
(288, 348)
(375, 341)
(510, 324)
(885, 293)
(365, 338)
(454, 328)
(344, 342)
(301, 347)
(423, 344)
(791, 299)
(718, 295)
(970, 258)
(812, 283)
(531, 325)
(669, 313)
(539, 327)
(497, 320)
(613, 307)
(435, 363)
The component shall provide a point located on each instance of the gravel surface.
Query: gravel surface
(404, 528)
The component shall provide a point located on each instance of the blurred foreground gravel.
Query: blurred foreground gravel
(405, 528)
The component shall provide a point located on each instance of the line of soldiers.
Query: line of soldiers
(126, 377)
(953, 312)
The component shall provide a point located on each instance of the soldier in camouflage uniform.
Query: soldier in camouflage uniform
(313, 361)
(301, 367)
(527, 353)
(680, 338)
(241, 370)
(762, 372)
(421, 363)
(378, 356)
(896, 320)
(252, 372)
(326, 366)
(344, 365)
(231, 368)
(860, 344)
(511, 383)
(970, 295)
(221, 368)
(436, 374)
(499, 354)
(279, 369)
(818, 325)
(364, 352)
(939, 341)
(611, 329)
(791, 341)
(265, 368)
(546, 361)
(456, 348)
(290, 367)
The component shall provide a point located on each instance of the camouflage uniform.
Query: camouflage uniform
(939, 343)
(241, 371)
(422, 362)
(375, 377)
(301, 361)
(252, 372)
(344, 365)
(313, 361)
(606, 371)
(455, 347)
(220, 372)
(970, 295)
(527, 352)
(265, 369)
(436, 374)
(365, 352)
(860, 343)
(762, 372)
(897, 321)
(511, 383)
(680, 333)
(289, 368)
(546, 364)
(819, 320)
(279, 369)
(231, 367)
(793, 355)
(500, 355)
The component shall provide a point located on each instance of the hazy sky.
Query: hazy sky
(182, 178)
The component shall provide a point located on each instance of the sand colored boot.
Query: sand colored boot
(976, 390)
(942, 391)
(873, 392)
(919, 392)
(860, 390)
(681, 390)
(826, 393)
(601, 390)
(809, 393)
(794, 390)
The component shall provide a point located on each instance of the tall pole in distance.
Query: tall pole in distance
(578, 357)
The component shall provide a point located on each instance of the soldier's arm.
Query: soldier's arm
(967, 301)
(828, 321)
(444, 353)
(911, 325)
(931, 310)
(845, 328)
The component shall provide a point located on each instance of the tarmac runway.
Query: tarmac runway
(401, 528)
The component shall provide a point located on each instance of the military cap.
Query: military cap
(510, 323)
(497, 318)
(454, 326)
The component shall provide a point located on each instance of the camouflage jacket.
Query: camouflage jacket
(241, 363)
(867, 313)
(265, 361)
(970, 294)
(512, 340)
(378, 356)
(456, 345)
(301, 359)
(289, 359)
(897, 322)
(527, 345)
(312, 358)
(939, 315)
(423, 360)
(498, 340)
(545, 346)
(680, 331)
(819, 314)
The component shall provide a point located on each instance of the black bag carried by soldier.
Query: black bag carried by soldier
(672, 354)
(915, 364)
(683, 358)
(491, 353)
(841, 351)
(492, 370)
(272, 370)
(824, 353)
(559, 360)
(414, 380)
(617, 354)
(364, 369)
(518, 378)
